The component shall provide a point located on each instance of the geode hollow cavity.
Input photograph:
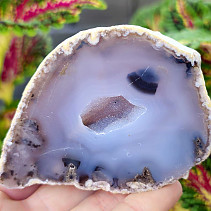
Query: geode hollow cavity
(121, 108)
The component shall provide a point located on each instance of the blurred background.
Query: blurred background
(118, 12)
(30, 29)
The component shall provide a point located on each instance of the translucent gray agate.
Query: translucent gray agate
(120, 111)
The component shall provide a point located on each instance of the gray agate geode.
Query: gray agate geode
(121, 108)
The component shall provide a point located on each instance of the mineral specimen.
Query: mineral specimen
(122, 108)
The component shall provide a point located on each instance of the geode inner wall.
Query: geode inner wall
(124, 111)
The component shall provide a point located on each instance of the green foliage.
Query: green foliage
(190, 201)
(208, 83)
(175, 15)
(191, 38)
(31, 16)
(30, 29)
(152, 13)
(33, 51)
(207, 165)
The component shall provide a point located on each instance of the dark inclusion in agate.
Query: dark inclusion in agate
(144, 80)
(121, 111)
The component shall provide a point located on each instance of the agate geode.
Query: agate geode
(121, 108)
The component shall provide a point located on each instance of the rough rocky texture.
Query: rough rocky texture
(122, 108)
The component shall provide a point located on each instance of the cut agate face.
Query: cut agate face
(122, 109)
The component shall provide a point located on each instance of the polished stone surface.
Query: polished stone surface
(114, 112)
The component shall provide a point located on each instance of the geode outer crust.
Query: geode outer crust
(141, 182)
